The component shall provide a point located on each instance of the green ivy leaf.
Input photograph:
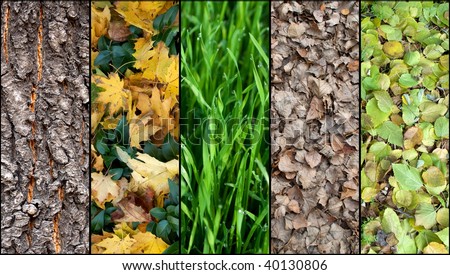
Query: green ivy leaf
(163, 230)
(170, 148)
(174, 194)
(173, 222)
(116, 173)
(103, 44)
(158, 213)
(101, 147)
(173, 249)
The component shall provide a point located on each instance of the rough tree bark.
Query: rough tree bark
(45, 127)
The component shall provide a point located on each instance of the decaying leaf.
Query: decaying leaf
(315, 137)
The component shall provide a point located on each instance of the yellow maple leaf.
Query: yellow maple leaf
(141, 14)
(160, 107)
(143, 103)
(162, 110)
(97, 159)
(110, 123)
(150, 172)
(96, 239)
(97, 113)
(141, 129)
(123, 229)
(114, 95)
(104, 189)
(147, 243)
(94, 55)
(143, 52)
(100, 23)
(123, 187)
(158, 66)
(116, 245)
(136, 84)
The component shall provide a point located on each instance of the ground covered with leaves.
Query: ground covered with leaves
(134, 127)
(225, 152)
(314, 128)
(405, 127)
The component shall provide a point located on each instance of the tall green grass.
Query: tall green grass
(224, 127)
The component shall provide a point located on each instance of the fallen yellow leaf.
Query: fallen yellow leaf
(158, 66)
(98, 160)
(435, 248)
(114, 94)
(147, 243)
(141, 129)
(148, 172)
(100, 24)
(104, 189)
(140, 14)
(116, 245)
(153, 173)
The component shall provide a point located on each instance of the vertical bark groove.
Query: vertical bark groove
(39, 46)
(5, 34)
(44, 111)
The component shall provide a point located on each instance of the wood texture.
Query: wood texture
(45, 127)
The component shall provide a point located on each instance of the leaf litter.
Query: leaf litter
(315, 127)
